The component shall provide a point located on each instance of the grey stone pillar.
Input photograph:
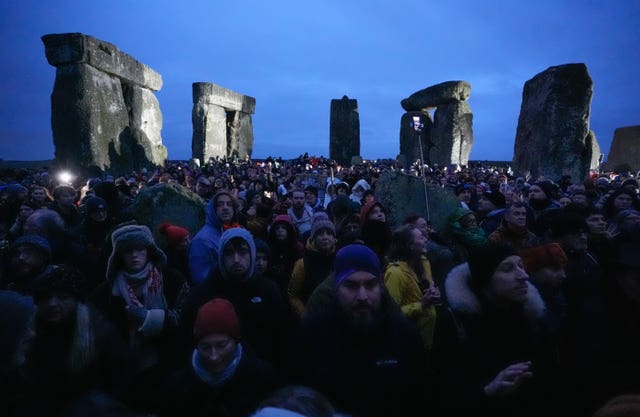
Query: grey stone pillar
(222, 125)
(624, 153)
(344, 130)
(103, 110)
(452, 134)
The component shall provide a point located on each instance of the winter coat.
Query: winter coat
(308, 273)
(185, 394)
(475, 341)
(403, 286)
(378, 374)
(517, 240)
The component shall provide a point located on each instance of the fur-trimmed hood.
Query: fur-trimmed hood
(462, 299)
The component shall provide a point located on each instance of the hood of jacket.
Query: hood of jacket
(211, 217)
(243, 234)
(462, 299)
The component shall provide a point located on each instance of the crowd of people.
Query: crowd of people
(299, 298)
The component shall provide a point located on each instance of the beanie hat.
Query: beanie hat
(461, 187)
(543, 256)
(35, 241)
(567, 222)
(496, 197)
(630, 181)
(94, 204)
(59, 277)
(320, 224)
(484, 260)
(174, 234)
(548, 187)
(262, 246)
(216, 317)
(17, 311)
(130, 235)
(353, 258)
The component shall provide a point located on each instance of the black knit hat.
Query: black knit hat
(59, 278)
(496, 197)
(548, 187)
(484, 260)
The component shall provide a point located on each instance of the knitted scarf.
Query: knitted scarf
(141, 289)
(219, 379)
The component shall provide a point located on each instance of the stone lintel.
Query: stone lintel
(72, 48)
(210, 93)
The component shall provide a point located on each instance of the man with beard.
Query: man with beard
(367, 358)
(300, 212)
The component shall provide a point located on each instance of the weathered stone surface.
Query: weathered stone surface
(593, 151)
(553, 127)
(211, 93)
(443, 93)
(169, 202)
(75, 48)
(344, 130)
(145, 117)
(410, 140)
(451, 134)
(209, 132)
(239, 134)
(625, 150)
(403, 194)
(88, 115)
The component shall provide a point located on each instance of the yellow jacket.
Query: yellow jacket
(402, 284)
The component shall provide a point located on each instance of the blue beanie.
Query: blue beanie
(353, 258)
(35, 241)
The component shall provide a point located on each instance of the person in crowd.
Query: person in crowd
(66, 245)
(513, 230)
(409, 282)
(357, 191)
(375, 230)
(94, 231)
(17, 228)
(75, 351)
(17, 332)
(490, 353)
(619, 200)
(541, 200)
(491, 209)
(545, 265)
(599, 236)
(177, 240)
(286, 249)
(64, 202)
(257, 300)
(141, 296)
(221, 214)
(296, 401)
(315, 265)
(587, 309)
(40, 196)
(300, 212)
(224, 377)
(463, 194)
(367, 359)
(311, 198)
(29, 256)
(204, 188)
(580, 199)
(463, 234)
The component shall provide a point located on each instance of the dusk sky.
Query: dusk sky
(295, 56)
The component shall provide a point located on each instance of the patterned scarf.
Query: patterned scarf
(141, 289)
(216, 380)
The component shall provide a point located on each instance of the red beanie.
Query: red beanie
(550, 255)
(216, 317)
(174, 234)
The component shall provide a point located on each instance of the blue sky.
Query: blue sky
(294, 57)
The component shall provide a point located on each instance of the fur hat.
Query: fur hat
(496, 197)
(130, 235)
(353, 258)
(35, 241)
(216, 317)
(543, 256)
(174, 234)
(484, 260)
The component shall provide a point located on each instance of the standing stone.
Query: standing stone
(552, 138)
(444, 93)
(103, 111)
(410, 140)
(624, 154)
(222, 125)
(344, 130)
(452, 134)
(88, 116)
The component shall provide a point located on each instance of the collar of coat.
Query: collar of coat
(463, 300)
